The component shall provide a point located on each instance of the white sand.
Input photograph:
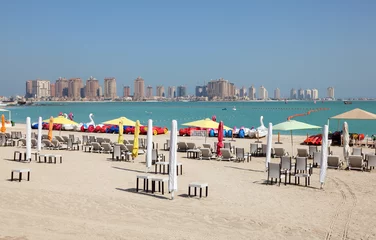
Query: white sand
(90, 197)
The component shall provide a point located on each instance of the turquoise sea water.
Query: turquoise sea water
(247, 113)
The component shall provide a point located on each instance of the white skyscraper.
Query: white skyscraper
(315, 94)
(308, 94)
(277, 94)
(331, 92)
(252, 93)
(263, 93)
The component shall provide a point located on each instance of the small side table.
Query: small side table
(20, 171)
(196, 185)
(146, 182)
(161, 182)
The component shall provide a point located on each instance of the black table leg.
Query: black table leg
(207, 190)
(195, 191)
(189, 190)
(137, 185)
(20, 176)
(28, 176)
(162, 188)
(200, 192)
(11, 177)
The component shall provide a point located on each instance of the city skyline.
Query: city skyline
(307, 45)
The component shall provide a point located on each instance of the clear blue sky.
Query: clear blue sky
(283, 44)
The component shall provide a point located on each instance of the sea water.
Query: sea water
(247, 114)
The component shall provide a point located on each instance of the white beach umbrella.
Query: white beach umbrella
(346, 140)
(269, 145)
(149, 144)
(173, 179)
(324, 155)
(28, 138)
(40, 134)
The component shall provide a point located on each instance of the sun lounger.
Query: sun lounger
(56, 144)
(279, 152)
(65, 139)
(191, 145)
(371, 164)
(334, 162)
(206, 153)
(166, 145)
(106, 147)
(356, 162)
(302, 152)
(96, 148)
(226, 154)
(182, 147)
(155, 157)
(274, 171)
(228, 146)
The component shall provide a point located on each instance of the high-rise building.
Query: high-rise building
(61, 87)
(74, 88)
(277, 94)
(301, 94)
(126, 91)
(252, 93)
(149, 92)
(110, 88)
(41, 88)
(29, 89)
(308, 94)
(92, 88)
(263, 93)
(139, 89)
(201, 91)
(221, 88)
(315, 94)
(160, 91)
(293, 94)
(181, 91)
(52, 90)
(330, 92)
(171, 92)
(243, 92)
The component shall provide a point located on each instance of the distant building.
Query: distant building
(61, 87)
(171, 92)
(160, 91)
(252, 93)
(220, 88)
(308, 94)
(92, 88)
(139, 89)
(315, 94)
(181, 91)
(293, 94)
(277, 94)
(201, 91)
(74, 88)
(110, 88)
(41, 88)
(149, 92)
(29, 89)
(301, 94)
(52, 90)
(330, 93)
(242, 92)
(263, 93)
(126, 91)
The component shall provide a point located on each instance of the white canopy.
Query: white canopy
(9, 113)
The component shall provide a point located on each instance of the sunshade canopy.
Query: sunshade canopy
(294, 125)
(205, 123)
(124, 120)
(61, 120)
(356, 113)
(4, 110)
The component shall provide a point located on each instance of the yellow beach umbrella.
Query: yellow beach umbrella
(50, 127)
(120, 138)
(205, 123)
(124, 120)
(3, 129)
(135, 142)
(61, 120)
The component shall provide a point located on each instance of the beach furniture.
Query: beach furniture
(146, 182)
(92, 139)
(130, 147)
(302, 152)
(311, 150)
(182, 147)
(162, 167)
(65, 139)
(44, 136)
(131, 141)
(59, 138)
(106, 147)
(207, 145)
(371, 164)
(316, 158)
(286, 167)
(357, 152)
(161, 182)
(3, 139)
(280, 152)
(20, 171)
(99, 140)
(96, 147)
(356, 162)
(206, 153)
(200, 186)
(125, 142)
(56, 145)
(226, 155)
(334, 162)
(274, 172)
(191, 145)
(22, 143)
(240, 154)
(302, 169)
(47, 144)
(34, 143)
(228, 146)
(107, 140)
(254, 149)
(166, 145)
(117, 154)
(155, 157)
(85, 140)
(263, 150)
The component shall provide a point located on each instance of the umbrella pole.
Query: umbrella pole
(292, 145)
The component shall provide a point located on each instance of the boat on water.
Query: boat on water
(347, 102)
(224, 108)
(2, 104)
(234, 108)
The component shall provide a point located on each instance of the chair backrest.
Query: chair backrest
(357, 151)
(131, 141)
(264, 147)
(312, 150)
(191, 145)
(333, 161)
(107, 140)
(91, 139)
(70, 143)
(65, 139)
(274, 170)
(44, 136)
(13, 135)
(55, 143)
(19, 134)
(117, 151)
(279, 152)
(71, 136)
(46, 142)
(125, 142)
(85, 139)
(100, 140)
(182, 145)
(122, 147)
(302, 152)
(286, 163)
(106, 146)
(372, 161)
(206, 152)
(23, 141)
(317, 158)
(254, 147)
(355, 161)
(225, 153)
(206, 145)
(239, 152)
(227, 145)
(58, 138)
(129, 146)
(96, 146)
(301, 164)
(34, 142)
(3, 140)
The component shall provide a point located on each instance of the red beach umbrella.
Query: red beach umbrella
(220, 139)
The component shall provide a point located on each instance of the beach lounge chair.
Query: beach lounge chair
(100, 140)
(85, 140)
(117, 155)
(286, 167)
(302, 169)
(44, 136)
(357, 152)
(226, 154)
(274, 171)
(131, 141)
(253, 149)
(65, 139)
(92, 139)
(56, 144)
(107, 140)
(263, 150)
(123, 148)
(316, 159)
(155, 157)
(47, 144)
(22, 143)
(279, 152)
(207, 145)
(125, 142)
(334, 162)
(60, 139)
(206, 153)
(191, 145)
(3, 139)
(166, 145)
(356, 162)
(34, 143)
(302, 152)
(240, 154)
(130, 147)
(228, 146)
(311, 150)
(371, 164)
(182, 147)
(96, 148)
(106, 147)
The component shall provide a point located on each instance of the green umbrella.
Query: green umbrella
(291, 125)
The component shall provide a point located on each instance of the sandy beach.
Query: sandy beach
(89, 196)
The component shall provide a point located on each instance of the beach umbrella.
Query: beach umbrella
(40, 134)
(204, 123)
(121, 129)
(324, 156)
(173, 179)
(124, 120)
(28, 139)
(135, 142)
(291, 125)
(149, 144)
(50, 127)
(220, 139)
(269, 145)
(3, 129)
(61, 120)
(346, 141)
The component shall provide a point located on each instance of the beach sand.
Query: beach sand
(92, 197)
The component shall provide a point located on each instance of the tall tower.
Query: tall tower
(139, 89)
(110, 88)
(61, 87)
(92, 88)
(160, 91)
(330, 92)
(74, 88)
(277, 94)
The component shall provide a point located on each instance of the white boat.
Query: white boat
(234, 108)
(3, 104)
